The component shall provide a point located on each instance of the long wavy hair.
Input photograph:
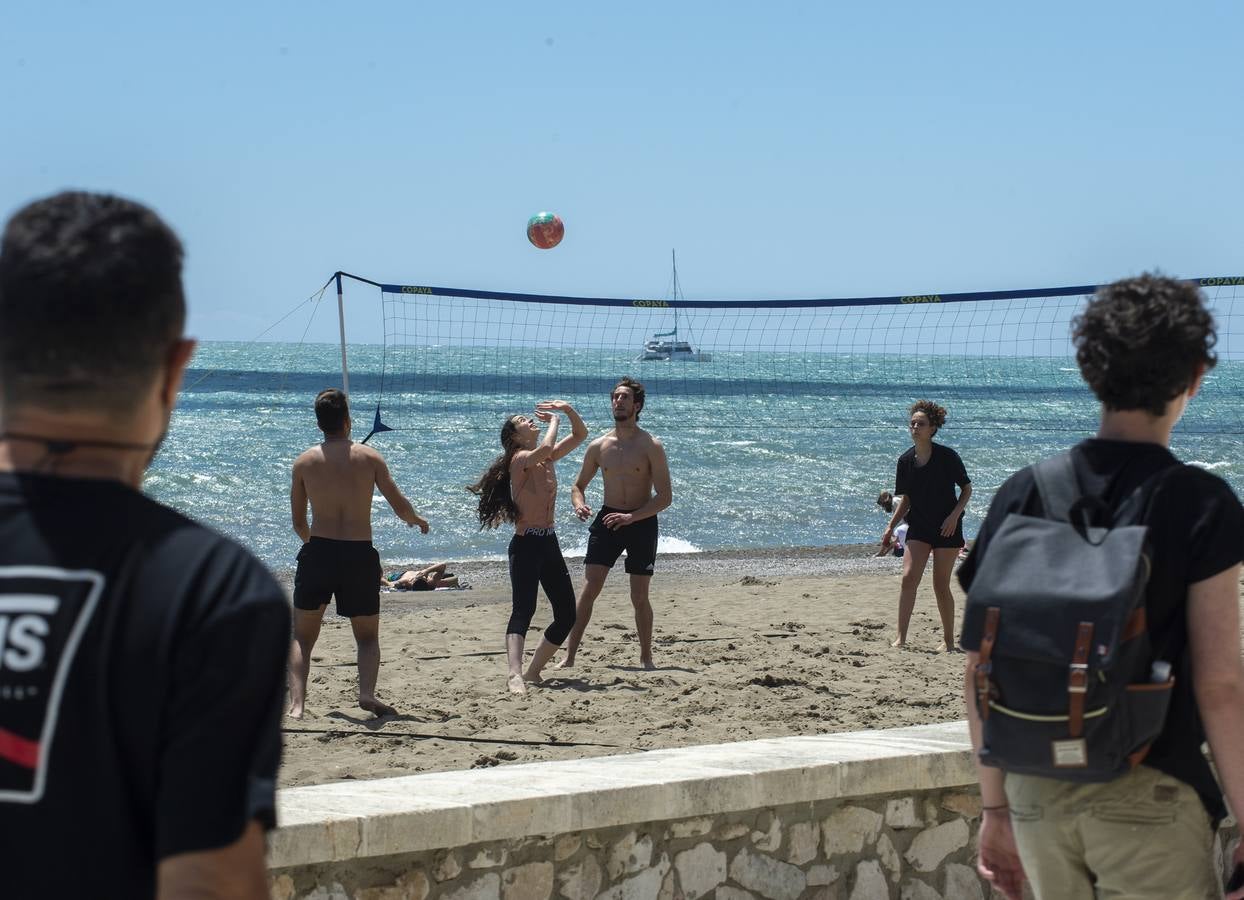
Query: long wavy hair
(496, 505)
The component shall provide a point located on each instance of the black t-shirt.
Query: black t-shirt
(141, 682)
(1196, 531)
(930, 489)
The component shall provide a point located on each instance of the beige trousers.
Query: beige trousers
(1143, 835)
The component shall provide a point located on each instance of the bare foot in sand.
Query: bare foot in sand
(372, 705)
(567, 663)
(898, 643)
(647, 663)
(295, 711)
(516, 684)
(532, 677)
(946, 647)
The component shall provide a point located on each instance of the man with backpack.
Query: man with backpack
(1103, 633)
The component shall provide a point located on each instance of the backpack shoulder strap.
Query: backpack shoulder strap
(1058, 485)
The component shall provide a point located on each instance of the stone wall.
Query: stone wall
(851, 816)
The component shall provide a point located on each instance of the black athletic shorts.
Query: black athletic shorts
(931, 534)
(349, 570)
(639, 540)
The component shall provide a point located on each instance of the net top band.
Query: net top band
(641, 303)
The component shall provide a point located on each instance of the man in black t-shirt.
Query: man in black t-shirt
(1143, 346)
(141, 655)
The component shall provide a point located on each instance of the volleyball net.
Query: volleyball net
(457, 358)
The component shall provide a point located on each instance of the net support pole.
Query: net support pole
(341, 323)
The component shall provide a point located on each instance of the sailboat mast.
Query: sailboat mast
(674, 262)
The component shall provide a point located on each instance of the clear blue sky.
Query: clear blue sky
(785, 150)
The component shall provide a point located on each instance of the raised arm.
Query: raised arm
(393, 494)
(1218, 680)
(298, 504)
(578, 431)
(591, 464)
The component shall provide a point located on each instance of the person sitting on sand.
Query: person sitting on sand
(428, 578)
(521, 487)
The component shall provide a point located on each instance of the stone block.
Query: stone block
(726, 892)
(731, 832)
(446, 867)
(849, 829)
(700, 869)
(668, 891)
(644, 886)
(963, 804)
(918, 890)
(933, 845)
(870, 883)
(963, 883)
(766, 876)
(489, 858)
(691, 828)
(281, 887)
(768, 833)
(533, 881)
(414, 885)
(822, 875)
(629, 855)
(486, 887)
(332, 891)
(889, 858)
(804, 839)
(580, 881)
(566, 846)
(901, 813)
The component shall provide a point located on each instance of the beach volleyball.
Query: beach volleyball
(545, 230)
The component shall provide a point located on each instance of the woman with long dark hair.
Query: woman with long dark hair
(926, 476)
(521, 487)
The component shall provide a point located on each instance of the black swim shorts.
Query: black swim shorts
(348, 570)
(639, 540)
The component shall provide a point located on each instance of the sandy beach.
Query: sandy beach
(747, 644)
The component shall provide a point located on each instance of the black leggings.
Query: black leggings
(536, 560)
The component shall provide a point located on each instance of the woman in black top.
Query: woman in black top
(926, 476)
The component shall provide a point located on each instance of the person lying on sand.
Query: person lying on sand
(428, 578)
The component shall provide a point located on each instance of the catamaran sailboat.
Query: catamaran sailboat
(664, 345)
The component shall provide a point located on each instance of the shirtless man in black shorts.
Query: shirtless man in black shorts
(337, 557)
(637, 487)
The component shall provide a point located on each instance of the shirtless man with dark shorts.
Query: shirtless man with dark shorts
(637, 487)
(337, 558)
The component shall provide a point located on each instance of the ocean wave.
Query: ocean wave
(1211, 466)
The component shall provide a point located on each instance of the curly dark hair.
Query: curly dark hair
(1141, 341)
(936, 414)
(496, 505)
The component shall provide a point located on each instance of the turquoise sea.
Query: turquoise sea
(766, 449)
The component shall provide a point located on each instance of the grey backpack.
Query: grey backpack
(1067, 686)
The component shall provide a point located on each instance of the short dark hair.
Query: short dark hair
(331, 410)
(637, 391)
(91, 300)
(1141, 341)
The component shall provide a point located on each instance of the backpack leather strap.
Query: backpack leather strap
(983, 667)
(1077, 679)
